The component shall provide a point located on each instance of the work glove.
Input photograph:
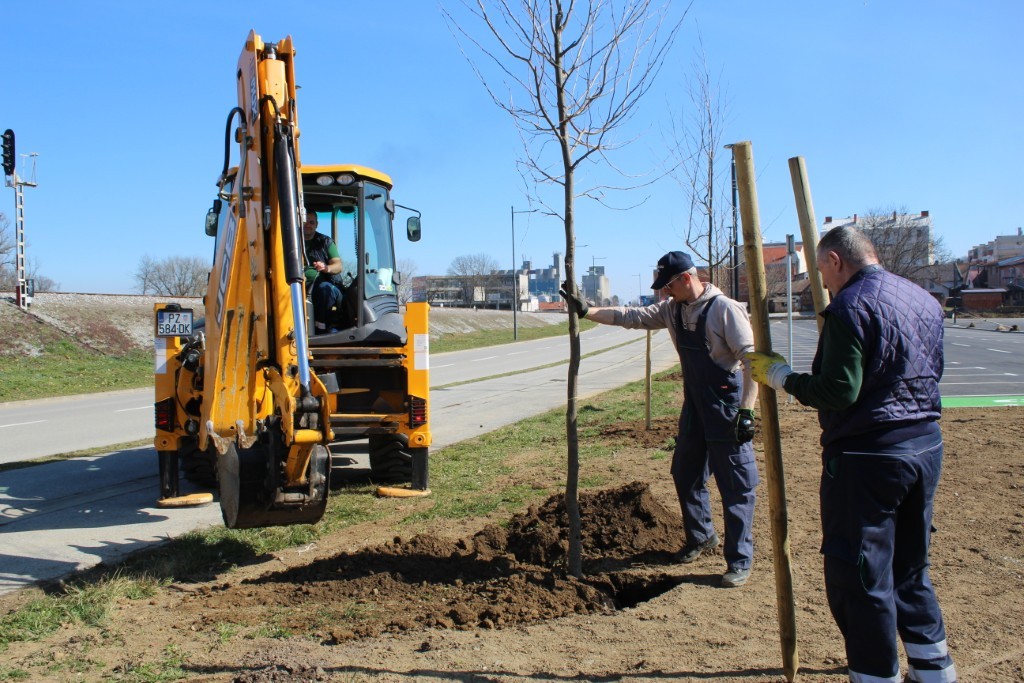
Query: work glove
(744, 425)
(574, 299)
(771, 369)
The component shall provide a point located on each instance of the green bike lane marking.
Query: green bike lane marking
(981, 401)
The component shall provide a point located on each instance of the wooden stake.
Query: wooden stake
(647, 385)
(809, 232)
(753, 252)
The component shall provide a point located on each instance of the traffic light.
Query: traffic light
(8, 152)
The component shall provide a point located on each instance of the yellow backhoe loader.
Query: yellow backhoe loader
(248, 398)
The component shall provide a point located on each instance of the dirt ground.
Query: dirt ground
(487, 599)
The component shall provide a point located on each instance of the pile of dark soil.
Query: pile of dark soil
(499, 577)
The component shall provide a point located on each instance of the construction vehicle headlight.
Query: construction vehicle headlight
(346, 179)
(324, 180)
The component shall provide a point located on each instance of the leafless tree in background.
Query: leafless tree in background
(172, 276)
(901, 242)
(7, 244)
(407, 268)
(575, 74)
(696, 145)
(9, 264)
(475, 270)
(777, 276)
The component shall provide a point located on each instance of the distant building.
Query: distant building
(997, 264)
(902, 236)
(1002, 247)
(596, 287)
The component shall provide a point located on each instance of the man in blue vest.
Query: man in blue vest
(875, 383)
(712, 334)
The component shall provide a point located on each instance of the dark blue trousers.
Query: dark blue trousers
(326, 305)
(735, 470)
(876, 513)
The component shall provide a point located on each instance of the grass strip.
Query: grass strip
(127, 446)
(64, 369)
(537, 367)
(482, 338)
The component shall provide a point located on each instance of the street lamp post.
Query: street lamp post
(515, 274)
(735, 236)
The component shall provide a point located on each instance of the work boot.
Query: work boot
(735, 577)
(692, 551)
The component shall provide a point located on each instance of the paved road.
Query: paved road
(68, 515)
(980, 361)
(32, 429)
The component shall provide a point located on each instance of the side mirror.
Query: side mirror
(213, 218)
(412, 228)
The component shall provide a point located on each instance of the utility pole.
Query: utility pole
(735, 252)
(12, 179)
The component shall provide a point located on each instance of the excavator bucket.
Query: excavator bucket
(250, 498)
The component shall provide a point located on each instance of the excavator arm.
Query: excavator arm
(264, 411)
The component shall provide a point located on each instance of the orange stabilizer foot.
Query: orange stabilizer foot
(401, 492)
(191, 500)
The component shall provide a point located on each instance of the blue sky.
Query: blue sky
(914, 104)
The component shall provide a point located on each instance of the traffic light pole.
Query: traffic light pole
(20, 294)
(13, 180)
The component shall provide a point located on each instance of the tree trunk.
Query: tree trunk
(572, 477)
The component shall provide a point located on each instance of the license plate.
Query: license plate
(174, 323)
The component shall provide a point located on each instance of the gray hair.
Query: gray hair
(851, 244)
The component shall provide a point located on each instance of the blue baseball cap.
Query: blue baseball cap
(670, 265)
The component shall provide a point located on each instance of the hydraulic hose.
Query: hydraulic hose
(287, 199)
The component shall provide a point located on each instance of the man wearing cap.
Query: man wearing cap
(712, 334)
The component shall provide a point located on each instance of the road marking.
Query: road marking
(125, 410)
(477, 360)
(953, 384)
(981, 401)
(964, 345)
(1000, 351)
(19, 424)
(443, 366)
(517, 353)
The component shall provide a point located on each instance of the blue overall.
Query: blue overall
(706, 444)
(876, 515)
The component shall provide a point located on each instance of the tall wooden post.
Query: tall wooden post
(754, 254)
(809, 233)
(647, 385)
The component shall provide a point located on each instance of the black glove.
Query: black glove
(744, 425)
(574, 300)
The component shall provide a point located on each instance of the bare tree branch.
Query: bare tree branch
(903, 242)
(696, 141)
(172, 276)
(583, 72)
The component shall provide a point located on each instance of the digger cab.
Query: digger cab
(354, 208)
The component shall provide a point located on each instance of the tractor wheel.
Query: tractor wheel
(389, 462)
